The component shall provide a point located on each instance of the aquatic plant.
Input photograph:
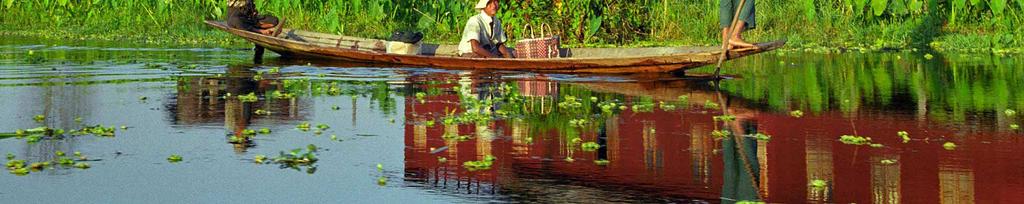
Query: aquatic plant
(904, 136)
(248, 98)
(59, 153)
(322, 126)
(708, 104)
(854, 140)
(949, 146)
(724, 118)
(261, 112)
(1014, 127)
(39, 118)
(429, 123)
(259, 158)
(143, 98)
(82, 165)
(304, 126)
(762, 137)
(174, 158)
(420, 96)
(887, 161)
(264, 131)
(1010, 112)
(483, 164)
(382, 181)
(818, 184)
(590, 146)
(796, 113)
(666, 106)
(442, 160)
(683, 100)
(601, 162)
(297, 157)
(277, 94)
(380, 167)
(248, 132)
(582, 122)
(720, 134)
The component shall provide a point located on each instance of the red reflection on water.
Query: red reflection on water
(672, 154)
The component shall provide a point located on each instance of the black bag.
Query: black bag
(410, 37)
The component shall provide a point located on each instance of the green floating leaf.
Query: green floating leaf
(174, 158)
(949, 146)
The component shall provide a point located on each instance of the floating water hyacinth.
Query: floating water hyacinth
(1014, 127)
(724, 118)
(684, 100)
(708, 104)
(590, 146)
(335, 107)
(39, 118)
(442, 160)
(382, 181)
(888, 161)
(264, 131)
(174, 158)
(248, 132)
(281, 95)
(720, 134)
(601, 162)
(484, 164)
(248, 98)
(59, 153)
(429, 123)
(1010, 112)
(259, 158)
(796, 113)
(380, 167)
(854, 140)
(818, 184)
(261, 112)
(904, 135)
(143, 98)
(949, 146)
(762, 137)
(82, 165)
(304, 126)
(928, 56)
(420, 96)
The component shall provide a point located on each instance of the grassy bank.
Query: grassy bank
(962, 25)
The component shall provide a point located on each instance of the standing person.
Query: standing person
(746, 21)
(242, 14)
(483, 35)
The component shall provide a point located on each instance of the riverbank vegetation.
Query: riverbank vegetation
(961, 25)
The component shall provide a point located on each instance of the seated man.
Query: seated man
(483, 35)
(242, 14)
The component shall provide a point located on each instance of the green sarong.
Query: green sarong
(727, 8)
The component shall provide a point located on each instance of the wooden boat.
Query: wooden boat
(306, 44)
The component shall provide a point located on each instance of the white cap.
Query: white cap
(482, 4)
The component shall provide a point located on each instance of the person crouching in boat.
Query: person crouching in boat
(483, 36)
(242, 14)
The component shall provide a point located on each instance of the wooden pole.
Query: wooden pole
(725, 42)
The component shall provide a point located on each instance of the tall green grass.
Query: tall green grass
(974, 24)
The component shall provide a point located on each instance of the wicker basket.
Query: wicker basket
(544, 47)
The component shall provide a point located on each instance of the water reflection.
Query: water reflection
(658, 147)
(669, 154)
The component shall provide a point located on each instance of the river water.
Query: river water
(770, 132)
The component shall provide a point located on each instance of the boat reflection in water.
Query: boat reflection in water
(668, 154)
(211, 100)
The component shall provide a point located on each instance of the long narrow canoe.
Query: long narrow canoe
(306, 44)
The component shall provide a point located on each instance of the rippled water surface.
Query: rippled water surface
(770, 132)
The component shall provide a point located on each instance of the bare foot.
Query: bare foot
(739, 43)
